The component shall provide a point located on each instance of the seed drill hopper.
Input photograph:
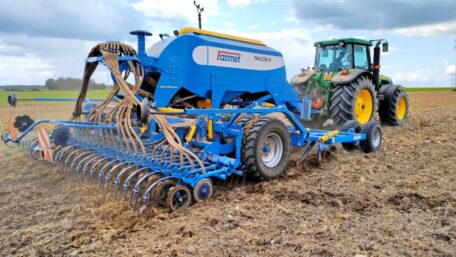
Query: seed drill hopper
(198, 106)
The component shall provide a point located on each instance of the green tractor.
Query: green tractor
(345, 84)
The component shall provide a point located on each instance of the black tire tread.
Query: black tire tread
(366, 144)
(388, 107)
(251, 133)
(343, 100)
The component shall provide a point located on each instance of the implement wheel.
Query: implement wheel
(394, 109)
(203, 190)
(373, 137)
(266, 148)
(351, 124)
(354, 101)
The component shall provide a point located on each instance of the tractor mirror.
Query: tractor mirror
(385, 47)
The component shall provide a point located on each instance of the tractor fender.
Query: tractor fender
(302, 77)
(346, 79)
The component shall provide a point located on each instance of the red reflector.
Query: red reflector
(344, 72)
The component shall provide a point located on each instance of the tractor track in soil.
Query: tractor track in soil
(400, 201)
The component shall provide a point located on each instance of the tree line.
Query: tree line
(70, 83)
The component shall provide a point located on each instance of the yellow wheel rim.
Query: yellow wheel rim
(363, 109)
(401, 109)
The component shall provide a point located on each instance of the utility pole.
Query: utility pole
(199, 10)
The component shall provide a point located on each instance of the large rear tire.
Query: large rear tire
(266, 149)
(354, 101)
(394, 109)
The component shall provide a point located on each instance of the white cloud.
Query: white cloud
(419, 75)
(229, 24)
(450, 69)
(445, 28)
(391, 49)
(290, 19)
(34, 70)
(176, 8)
(239, 3)
(244, 3)
(253, 27)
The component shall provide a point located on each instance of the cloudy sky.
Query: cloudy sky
(50, 38)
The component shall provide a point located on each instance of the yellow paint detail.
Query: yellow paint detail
(328, 76)
(186, 30)
(401, 109)
(210, 131)
(143, 129)
(269, 105)
(324, 138)
(171, 110)
(204, 103)
(364, 106)
(191, 133)
(331, 134)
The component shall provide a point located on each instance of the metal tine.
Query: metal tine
(126, 184)
(75, 160)
(61, 152)
(78, 167)
(94, 167)
(101, 173)
(68, 158)
(86, 166)
(61, 158)
(146, 195)
(137, 188)
(119, 177)
(108, 175)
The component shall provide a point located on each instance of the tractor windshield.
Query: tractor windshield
(333, 57)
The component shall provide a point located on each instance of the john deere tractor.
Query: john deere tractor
(345, 84)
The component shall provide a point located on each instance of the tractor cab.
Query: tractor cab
(341, 54)
(345, 83)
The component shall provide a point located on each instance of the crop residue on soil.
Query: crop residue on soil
(400, 201)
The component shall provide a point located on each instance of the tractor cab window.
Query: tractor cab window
(361, 61)
(333, 57)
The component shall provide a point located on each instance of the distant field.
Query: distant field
(51, 94)
(426, 89)
(103, 93)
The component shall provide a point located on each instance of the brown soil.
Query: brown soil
(400, 201)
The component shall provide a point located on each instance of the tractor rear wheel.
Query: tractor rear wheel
(394, 109)
(266, 149)
(354, 101)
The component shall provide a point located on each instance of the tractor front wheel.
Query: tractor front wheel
(354, 101)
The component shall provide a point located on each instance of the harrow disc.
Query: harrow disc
(22, 123)
(159, 195)
(60, 135)
(179, 197)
